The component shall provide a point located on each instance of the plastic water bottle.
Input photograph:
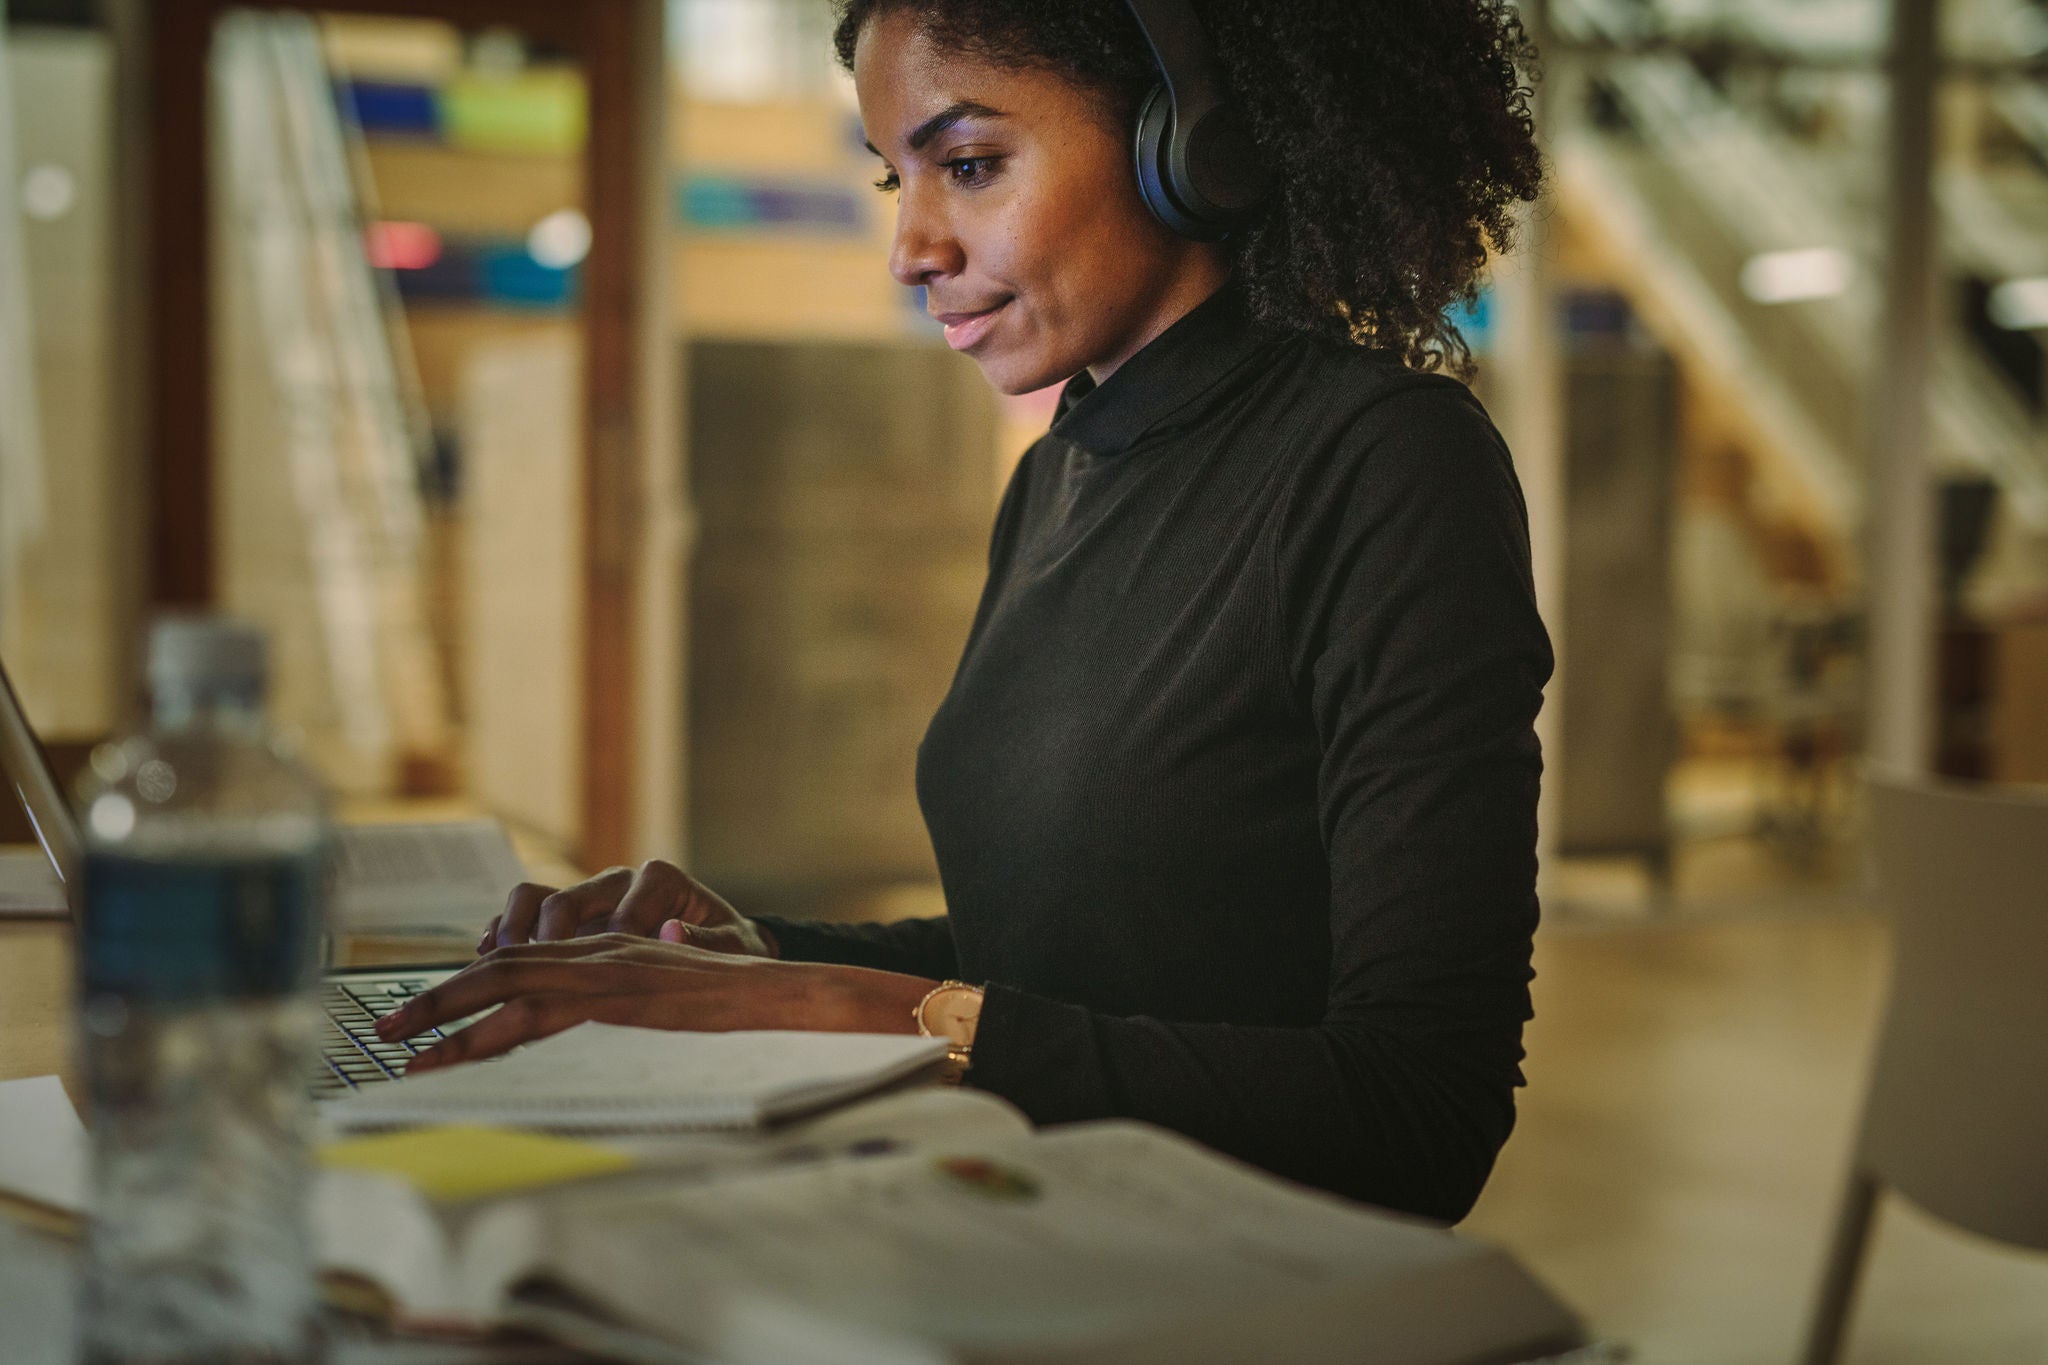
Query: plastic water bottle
(198, 948)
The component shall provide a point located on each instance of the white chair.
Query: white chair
(1957, 1115)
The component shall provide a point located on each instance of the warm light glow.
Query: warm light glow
(402, 246)
(2020, 305)
(1821, 272)
(48, 192)
(112, 817)
(561, 240)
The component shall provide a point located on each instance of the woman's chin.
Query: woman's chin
(1012, 375)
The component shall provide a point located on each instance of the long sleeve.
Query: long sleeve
(919, 947)
(1406, 619)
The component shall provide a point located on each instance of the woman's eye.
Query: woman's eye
(971, 170)
(888, 184)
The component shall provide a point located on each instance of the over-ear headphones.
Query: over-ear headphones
(1198, 168)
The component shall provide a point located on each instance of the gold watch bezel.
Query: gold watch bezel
(958, 1051)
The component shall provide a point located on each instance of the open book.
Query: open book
(393, 1247)
(970, 1240)
(1099, 1242)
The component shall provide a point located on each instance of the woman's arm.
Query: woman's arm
(919, 947)
(1403, 588)
(535, 990)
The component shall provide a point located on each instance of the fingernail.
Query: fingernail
(673, 931)
(388, 1024)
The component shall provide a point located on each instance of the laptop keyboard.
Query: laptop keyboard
(351, 1054)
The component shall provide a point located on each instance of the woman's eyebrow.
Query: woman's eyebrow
(941, 121)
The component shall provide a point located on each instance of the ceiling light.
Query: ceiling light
(1821, 272)
(48, 192)
(2020, 305)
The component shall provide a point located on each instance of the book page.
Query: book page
(376, 1228)
(599, 1077)
(38, 1296)
(918, 1118)
(42, 1145)
(1085, 1239)
(399, 878)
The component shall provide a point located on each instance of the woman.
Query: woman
(1233, 795)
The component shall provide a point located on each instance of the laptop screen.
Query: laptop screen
(28, 773)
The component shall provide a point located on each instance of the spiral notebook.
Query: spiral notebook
(603, 1078)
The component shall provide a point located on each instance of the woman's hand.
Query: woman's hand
(544, 988)
(658, 901)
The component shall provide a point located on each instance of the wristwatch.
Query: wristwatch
(951, 1010)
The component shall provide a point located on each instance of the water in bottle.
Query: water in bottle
(206, 850)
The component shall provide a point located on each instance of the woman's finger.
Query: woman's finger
(657, 889)
(524, 1020)
(490, 938)
(491, 980)
(565, 912)
(522, 908)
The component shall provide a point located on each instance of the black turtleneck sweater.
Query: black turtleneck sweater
(1234, 793)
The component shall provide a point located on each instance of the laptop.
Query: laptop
(389, 879)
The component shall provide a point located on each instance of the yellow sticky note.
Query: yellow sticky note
(469, 1163)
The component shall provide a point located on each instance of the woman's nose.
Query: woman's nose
(923, 247)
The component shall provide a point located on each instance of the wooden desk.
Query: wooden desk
(35, 1000)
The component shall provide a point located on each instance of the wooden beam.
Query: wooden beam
(613, 527)
(178, 380)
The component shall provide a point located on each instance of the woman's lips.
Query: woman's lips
(963, 330)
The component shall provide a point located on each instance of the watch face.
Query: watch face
(952, 1013)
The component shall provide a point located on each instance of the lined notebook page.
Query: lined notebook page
(601, 1077)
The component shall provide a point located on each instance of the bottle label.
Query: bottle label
(172, 931)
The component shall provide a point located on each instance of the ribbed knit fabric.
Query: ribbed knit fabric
(1234, 793)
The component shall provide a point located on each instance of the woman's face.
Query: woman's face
(1019, 213)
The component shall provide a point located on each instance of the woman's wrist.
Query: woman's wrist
(863, 1000)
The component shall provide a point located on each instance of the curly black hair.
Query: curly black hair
(1400, 133)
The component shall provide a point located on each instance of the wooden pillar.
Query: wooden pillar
(1900, 569)
(175, 393)
(658, 756)
(615, 301)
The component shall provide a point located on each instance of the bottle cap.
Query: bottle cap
(206, 653)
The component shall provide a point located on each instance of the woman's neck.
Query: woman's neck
(1208, 272)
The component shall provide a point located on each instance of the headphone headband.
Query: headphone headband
(1181, 51)
(1198, 169)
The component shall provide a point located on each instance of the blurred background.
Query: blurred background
(531, 372)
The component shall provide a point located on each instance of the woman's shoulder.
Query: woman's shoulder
(1346, 385)
(1362, 414)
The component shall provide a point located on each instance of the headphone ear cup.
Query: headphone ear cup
(1151, 152)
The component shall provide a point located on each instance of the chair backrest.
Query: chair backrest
(1957, 1118)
